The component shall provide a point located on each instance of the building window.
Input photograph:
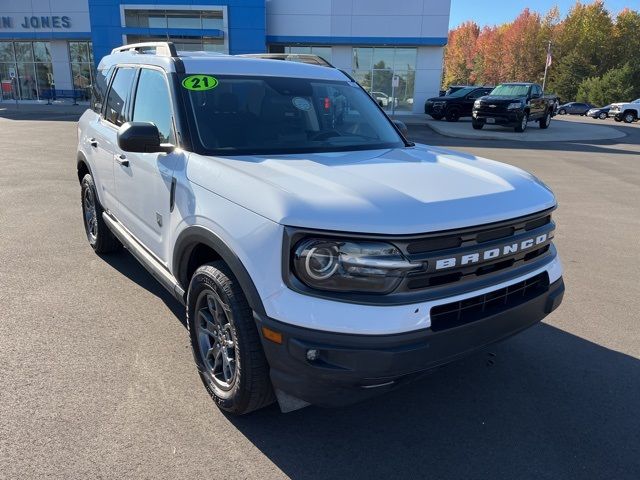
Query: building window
(375, 67)
(25, 70)
(324, 52)
(82, 67)
(186, 19)
(185, 43)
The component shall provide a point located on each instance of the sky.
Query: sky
(492, 12)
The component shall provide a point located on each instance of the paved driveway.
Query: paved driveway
(97, 379)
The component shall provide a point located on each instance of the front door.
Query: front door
(144, 180)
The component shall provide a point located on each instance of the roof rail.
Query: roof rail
(291, 57)
(163, 49)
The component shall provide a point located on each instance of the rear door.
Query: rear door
(144, 180)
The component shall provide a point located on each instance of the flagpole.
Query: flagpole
(546, 66)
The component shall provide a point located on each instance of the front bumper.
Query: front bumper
(505, 119)
(352, 367)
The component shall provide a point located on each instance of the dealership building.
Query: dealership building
(393, 48)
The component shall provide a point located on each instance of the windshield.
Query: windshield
(637, 100)
(271, 115)
(511, 90)
(462, 92)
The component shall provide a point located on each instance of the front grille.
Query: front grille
(428, 249)
(484, 108)
(455, 314)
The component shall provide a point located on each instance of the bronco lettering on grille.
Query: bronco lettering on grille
(490, 254)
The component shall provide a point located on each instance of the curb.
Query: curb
(519, 137)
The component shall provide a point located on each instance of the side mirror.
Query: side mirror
(142, 137)
(402, 127)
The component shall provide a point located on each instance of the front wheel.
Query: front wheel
(225, 341)
(523, 124)
(545, 121)
(98, 234)
(629, 117)
(477, 125)
(437, 117)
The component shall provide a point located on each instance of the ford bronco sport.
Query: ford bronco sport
(322, 257)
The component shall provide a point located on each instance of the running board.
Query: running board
(148, 261)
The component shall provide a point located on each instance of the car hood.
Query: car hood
(393, 191)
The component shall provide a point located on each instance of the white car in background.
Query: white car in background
(625, 112)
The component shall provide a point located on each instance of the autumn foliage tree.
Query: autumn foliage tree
(587, 44)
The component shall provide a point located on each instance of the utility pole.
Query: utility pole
(547, 64)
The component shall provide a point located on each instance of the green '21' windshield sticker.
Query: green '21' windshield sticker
(200, 82)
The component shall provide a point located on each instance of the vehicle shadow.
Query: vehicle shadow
(552, 406)
(128, 266)
(543, 405)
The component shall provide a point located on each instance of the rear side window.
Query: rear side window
(153, 103)
(118, 94)
(99, 89)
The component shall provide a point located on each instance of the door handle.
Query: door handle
(93, 142)
(122, 159)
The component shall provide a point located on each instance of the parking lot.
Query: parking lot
(97, 378)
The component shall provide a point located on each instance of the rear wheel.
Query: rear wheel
(98, 234)
(453, 115)
(523, 124)
(545, 121)
(562, 111)
(602, 115)
(225, 341)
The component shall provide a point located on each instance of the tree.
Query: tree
(626, 37)
(460, 54)
(617, 85)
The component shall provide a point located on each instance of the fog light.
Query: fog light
(313, 355)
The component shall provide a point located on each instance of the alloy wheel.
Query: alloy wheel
(216, 339)
(90, 214)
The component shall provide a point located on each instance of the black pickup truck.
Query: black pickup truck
(513, 105)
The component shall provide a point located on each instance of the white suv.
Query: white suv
(322, 257)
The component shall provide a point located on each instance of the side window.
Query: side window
(99, 89)
(476, 94)
(153, 103)
(118, 94)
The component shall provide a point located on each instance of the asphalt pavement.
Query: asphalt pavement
(97, 378)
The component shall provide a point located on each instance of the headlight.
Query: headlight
(336, 265)
(477, 103)
(514, 106)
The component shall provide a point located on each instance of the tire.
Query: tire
(562, 111)
(238, 381)
(477, 125)
(98, 234)
(453, 115)
(523, 124)
(629, 117)
(602, 116)
(437, 117)
(617, 119)
(545, 121)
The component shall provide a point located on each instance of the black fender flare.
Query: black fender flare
(195, 235)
